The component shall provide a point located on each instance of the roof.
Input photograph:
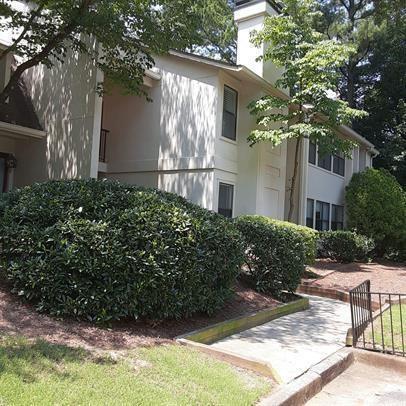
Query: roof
(19, 110)
(273, 3)
(242, 73)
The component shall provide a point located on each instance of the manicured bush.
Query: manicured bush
(376, 207)
(345, 246)
(100, 250)
(274, 254)
(310, 238)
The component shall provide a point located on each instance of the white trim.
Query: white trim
(18, 131)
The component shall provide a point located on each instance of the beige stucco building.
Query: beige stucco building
(191, 139)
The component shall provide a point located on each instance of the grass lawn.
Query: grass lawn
(387, 334)
(41, 373)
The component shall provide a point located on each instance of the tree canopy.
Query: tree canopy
(130, 31)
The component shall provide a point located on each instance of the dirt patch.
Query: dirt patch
(385, 276)
(17, 318)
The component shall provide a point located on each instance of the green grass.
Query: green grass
(387, 335)
(41, 373)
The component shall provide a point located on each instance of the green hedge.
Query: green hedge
(274, 254)
(345, 246)
(376, 207)
(310, 238)
(100, 250)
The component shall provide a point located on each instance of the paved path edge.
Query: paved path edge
(303, 388)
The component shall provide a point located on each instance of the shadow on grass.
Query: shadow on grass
(32, 360)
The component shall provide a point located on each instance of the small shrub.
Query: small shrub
(376, 207)
(274, 254)
(345, 246)
(103, 251)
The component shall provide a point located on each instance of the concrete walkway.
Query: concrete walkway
(294, 343)
(364, 384)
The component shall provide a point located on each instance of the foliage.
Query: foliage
(130, 31)
(376, 207)
(218, 31)
(103, 251)
(43, 373)
(309, 236)
(373, 77)
(345, 246)
(310, 70)
(274, 254)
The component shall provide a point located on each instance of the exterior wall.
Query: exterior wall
(68, 107)
(167, 143)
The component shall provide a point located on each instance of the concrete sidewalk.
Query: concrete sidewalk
(292, 344)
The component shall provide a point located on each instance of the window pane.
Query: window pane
(310, 213)
(229, 113)
(339, 165)
(325, 162)
(2, 174)
(322, 216)
(312, 153)
(226, 197)
(337, 218)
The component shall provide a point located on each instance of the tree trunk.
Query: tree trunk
(294, 179)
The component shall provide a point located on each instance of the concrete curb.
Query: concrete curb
(199, 339)
(216, 332)
(302, 389)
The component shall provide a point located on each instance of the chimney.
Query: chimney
(249, 16)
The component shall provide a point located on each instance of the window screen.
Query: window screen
(226, 199)
(325, 162)
(337, 217)
(312, 153)
(230, 113)
(339, 165)
(310, 213)
(322, 216)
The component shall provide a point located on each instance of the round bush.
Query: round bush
(376, 207)
(275, 254)
(101, 250)
(345, 246)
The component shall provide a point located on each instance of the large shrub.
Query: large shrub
(376, 207)
(309, 236)
(275, 254)
(103, 250)
(345, 246)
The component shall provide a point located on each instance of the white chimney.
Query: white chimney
(249, 16)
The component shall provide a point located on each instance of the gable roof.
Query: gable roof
(19, 110)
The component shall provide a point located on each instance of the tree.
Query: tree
(311, 64)
(130, 31)
(350, 21)
(218, 30)
(376, 207)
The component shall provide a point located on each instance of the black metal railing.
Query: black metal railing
(378, 320)
(103, 144)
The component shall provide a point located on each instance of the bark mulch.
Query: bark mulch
(17, 318)
(385, 276)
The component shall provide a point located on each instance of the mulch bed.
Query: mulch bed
(385, 276)
(17, 318)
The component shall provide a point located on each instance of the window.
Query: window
(339, 165)
(3, 172)
(230, 113)
(322, 216)
(325, 161)
(310, 213)
(226, 200)
(337, 217)
(312, 153)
